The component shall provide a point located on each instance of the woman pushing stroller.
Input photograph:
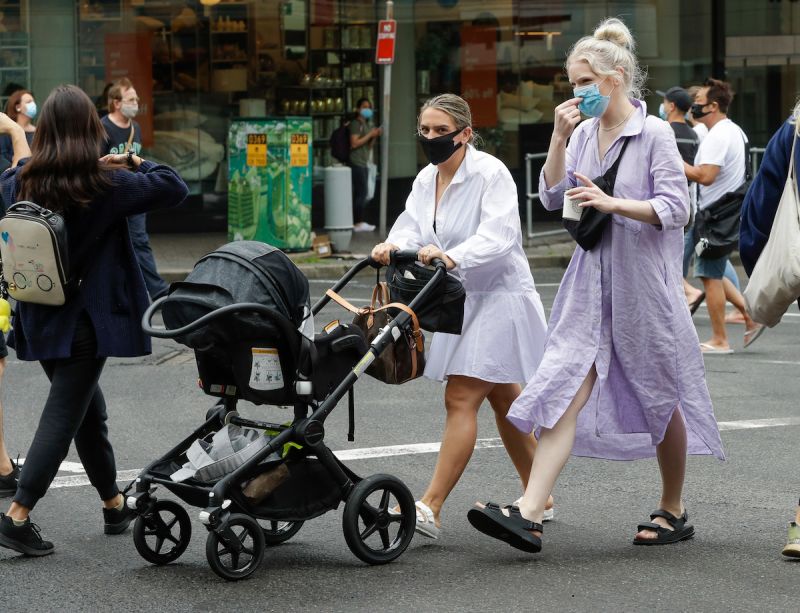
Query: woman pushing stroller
(463, 209)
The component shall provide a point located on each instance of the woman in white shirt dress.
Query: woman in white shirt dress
(463, 208)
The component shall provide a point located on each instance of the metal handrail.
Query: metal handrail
(530, 195)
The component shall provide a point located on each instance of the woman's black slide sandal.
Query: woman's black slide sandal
(512, 529)
(664, 536)
(695, 304)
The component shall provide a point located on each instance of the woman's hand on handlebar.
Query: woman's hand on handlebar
(380, 252)
(431, 252)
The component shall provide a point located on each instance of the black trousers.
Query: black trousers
(75, 410)
(359, 179)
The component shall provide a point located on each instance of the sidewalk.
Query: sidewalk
(176, 254)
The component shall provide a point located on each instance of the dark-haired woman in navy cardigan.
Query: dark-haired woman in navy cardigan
(100, 320)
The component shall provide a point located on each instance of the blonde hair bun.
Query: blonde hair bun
(613, 30)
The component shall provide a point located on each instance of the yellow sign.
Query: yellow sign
(298, 150)
(256, 149)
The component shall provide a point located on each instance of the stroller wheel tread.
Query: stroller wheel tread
(163, 534)
(374, 534)
(234, 560)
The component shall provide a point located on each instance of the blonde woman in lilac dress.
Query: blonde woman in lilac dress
(622, 376)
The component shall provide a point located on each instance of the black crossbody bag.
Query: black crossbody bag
(716, 227)
(589, 229)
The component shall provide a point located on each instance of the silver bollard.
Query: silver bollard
(339, 206)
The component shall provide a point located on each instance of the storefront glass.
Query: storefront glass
(197, 65)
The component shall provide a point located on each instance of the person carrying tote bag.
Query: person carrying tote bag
(775, 280)
(768, 242)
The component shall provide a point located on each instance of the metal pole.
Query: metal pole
(387, 91)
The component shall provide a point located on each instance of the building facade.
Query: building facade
(199, 64)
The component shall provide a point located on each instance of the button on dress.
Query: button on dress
(621, 307)
(477, 225)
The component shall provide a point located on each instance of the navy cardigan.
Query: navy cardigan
(112, 289)
(761, 202)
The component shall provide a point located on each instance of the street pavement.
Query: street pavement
(739, 507)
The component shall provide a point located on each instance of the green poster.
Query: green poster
(269, 181)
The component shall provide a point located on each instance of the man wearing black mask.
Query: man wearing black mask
(719, 168)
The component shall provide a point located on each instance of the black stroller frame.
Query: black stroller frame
(236, 540)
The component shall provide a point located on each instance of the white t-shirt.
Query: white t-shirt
(724, 147)
(701, 130)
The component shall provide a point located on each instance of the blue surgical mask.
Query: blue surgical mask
(30, 109)
(662, 111)
(366, 113)
(593, 103)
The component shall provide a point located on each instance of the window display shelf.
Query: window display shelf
(15, 50)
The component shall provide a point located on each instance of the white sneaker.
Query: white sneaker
(549, 514)
(363, 226)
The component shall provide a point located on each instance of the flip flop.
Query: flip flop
(695, 304)
(751, 335)
(711, 350)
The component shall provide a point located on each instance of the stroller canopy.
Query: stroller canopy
(241, 271)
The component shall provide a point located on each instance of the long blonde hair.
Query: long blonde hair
(611, 47)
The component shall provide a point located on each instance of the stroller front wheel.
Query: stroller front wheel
(236, 549)
(162, 534)
(379, 519)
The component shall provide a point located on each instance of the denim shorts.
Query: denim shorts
(710, 269)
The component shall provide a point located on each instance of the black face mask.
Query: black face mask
(441, 148)
(697, 111)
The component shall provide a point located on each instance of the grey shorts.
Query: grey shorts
(710, 269)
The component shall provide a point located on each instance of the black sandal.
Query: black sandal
(512, 529)
(664, 536)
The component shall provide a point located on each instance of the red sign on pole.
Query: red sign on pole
(384, 49)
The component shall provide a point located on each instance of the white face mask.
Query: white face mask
(129, 110)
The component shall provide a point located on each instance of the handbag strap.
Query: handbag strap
(130, 139)
(415, 331)
(791, 157)
(610, 175)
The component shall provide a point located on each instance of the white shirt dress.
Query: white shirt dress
(477, 225)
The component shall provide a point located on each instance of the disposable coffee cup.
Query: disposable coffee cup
(571, 209)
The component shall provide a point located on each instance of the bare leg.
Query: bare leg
(734, 296)
(691, 292)
(671, 453)
(5, 459)
(519, 446)
(715, 301)
(555, 445)
(462, 398)
(797, 515)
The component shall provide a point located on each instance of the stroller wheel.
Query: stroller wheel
(163, 533)
(236, 551)
(277, 532)
(373, 534)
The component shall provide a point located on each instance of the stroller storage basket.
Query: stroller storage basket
(443, 311)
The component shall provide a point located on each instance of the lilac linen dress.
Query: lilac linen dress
(621, 307)
(477, 226)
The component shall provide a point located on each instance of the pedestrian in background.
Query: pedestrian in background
(758, 214)
(21, 108)
(125, 135)
(9, 471)
(673, 109)
(719, 168)
(610, 384)
(463, 209)
(362, 139)
(101, 319)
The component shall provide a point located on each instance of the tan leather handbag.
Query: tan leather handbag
(405, 360)
(775, 282)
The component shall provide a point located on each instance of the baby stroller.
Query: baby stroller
(247, 304)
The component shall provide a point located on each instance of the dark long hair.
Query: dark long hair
(64, 170)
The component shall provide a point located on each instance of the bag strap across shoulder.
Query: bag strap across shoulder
(130, 139)
(610, 175)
